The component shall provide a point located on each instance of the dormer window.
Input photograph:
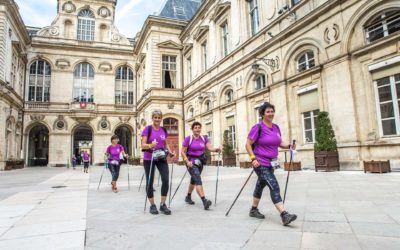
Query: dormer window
(86, 25)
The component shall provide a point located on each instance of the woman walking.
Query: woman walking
(193, 154)
(114, 154)
(156, 152)
(262, 146)
(86, 160)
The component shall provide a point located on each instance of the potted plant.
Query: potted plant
(134, 160)
(228, 153)
(325, 148)
(377, 166)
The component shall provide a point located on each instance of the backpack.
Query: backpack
(191, 140)
(203, 157)
(149, 129)
(258, 136)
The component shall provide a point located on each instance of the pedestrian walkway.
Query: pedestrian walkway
(59, 208)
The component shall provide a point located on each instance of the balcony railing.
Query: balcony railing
(76, 106)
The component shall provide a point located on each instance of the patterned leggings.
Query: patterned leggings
(195, 173)
(266, 177)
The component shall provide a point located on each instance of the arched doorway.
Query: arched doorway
(172, 126)
(38, 148)
(82, 141)
(125, 138)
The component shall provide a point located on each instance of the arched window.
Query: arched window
(39, 81)
(260, 82)
(124, 85)
(306, 61)
(83, 83)
(229, 96)
(86, 25)
(383, 25)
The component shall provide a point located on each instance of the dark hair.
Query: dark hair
(114, 137)
(265, 106)
(196, 124)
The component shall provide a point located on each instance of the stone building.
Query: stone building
(215, 62)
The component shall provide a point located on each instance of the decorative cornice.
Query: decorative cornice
(200, 32)
(169, 45)
(220, 10)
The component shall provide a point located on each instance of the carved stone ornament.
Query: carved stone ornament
(104, 12)
(54, 31)
(62, 63)
(115, 37)
(60, 123)
(105, 66)
(37, 117)
(124, 119)
(331, 34)
(69, 7)
(104, 124)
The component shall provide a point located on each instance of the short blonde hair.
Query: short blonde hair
(156, 112)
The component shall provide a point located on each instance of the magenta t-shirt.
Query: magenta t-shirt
(158, 135)
(85, 156)
(197, 147)
(267, 145)
(114, 152)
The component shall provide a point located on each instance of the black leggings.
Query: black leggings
(195, 173)
(162, 166)
(86, 164)
(266, 177)
(114, 169)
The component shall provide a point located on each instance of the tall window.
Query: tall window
(39, 81)
(86, 25)
(124, 85)
(209, 132)
(207, 105)
(84, 83)
(231, 130)
(204, 55)
(21, 72)
(260, 82)
(189, 69)
(254, 18)
(169, 71)
(306, 61)
(309, 125)
(383, 25)
(388, 95)
(191, 112)
(171, 124)
(229, 96)
(225, 39)
(14, 69)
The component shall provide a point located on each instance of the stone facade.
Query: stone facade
(216, 67)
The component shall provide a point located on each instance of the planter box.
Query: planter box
(327, 160)
(245, 164)
(215, 163)
(229, 161)
(377, 166)
(135, 162)
(7, 167)
(294, 166)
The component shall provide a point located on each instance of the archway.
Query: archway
(125, 138)
(82, 141)
(172, 126)
(38, 149)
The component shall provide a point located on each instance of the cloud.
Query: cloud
(33, 17)
(126, 9)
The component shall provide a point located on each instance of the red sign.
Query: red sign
(82, 105)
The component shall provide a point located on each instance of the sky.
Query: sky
(129, 18)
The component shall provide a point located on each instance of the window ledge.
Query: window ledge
(227, 105)
(378, 43)
(313, 70)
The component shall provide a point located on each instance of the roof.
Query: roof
(32, 30)
(180, 9)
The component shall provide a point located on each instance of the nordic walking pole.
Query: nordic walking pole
(148, 181)
(216, 183)
(176, 190)
(129, 182)
(105, 166)
(141, 181)
(248, 178)
(170, 185)
(290, 166)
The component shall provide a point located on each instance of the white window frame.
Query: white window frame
(395, 100)
(232, 131)
(189, 69)
(263, 82)
(225, 38)
(229, 98)
(86, 25)
(307, 61)
(169, 65)
(254, 17)
(384, 25)
(125, 83)
(204, 56)
(84, 83)
(35, 83)
(312, 117)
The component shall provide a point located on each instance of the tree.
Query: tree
(324, 134)
(227, 146)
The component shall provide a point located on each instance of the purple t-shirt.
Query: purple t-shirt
(158, 135)
(197, 147)
(267, 145)
(85, 156)
(113, 152)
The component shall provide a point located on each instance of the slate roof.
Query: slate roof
(180, 9)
